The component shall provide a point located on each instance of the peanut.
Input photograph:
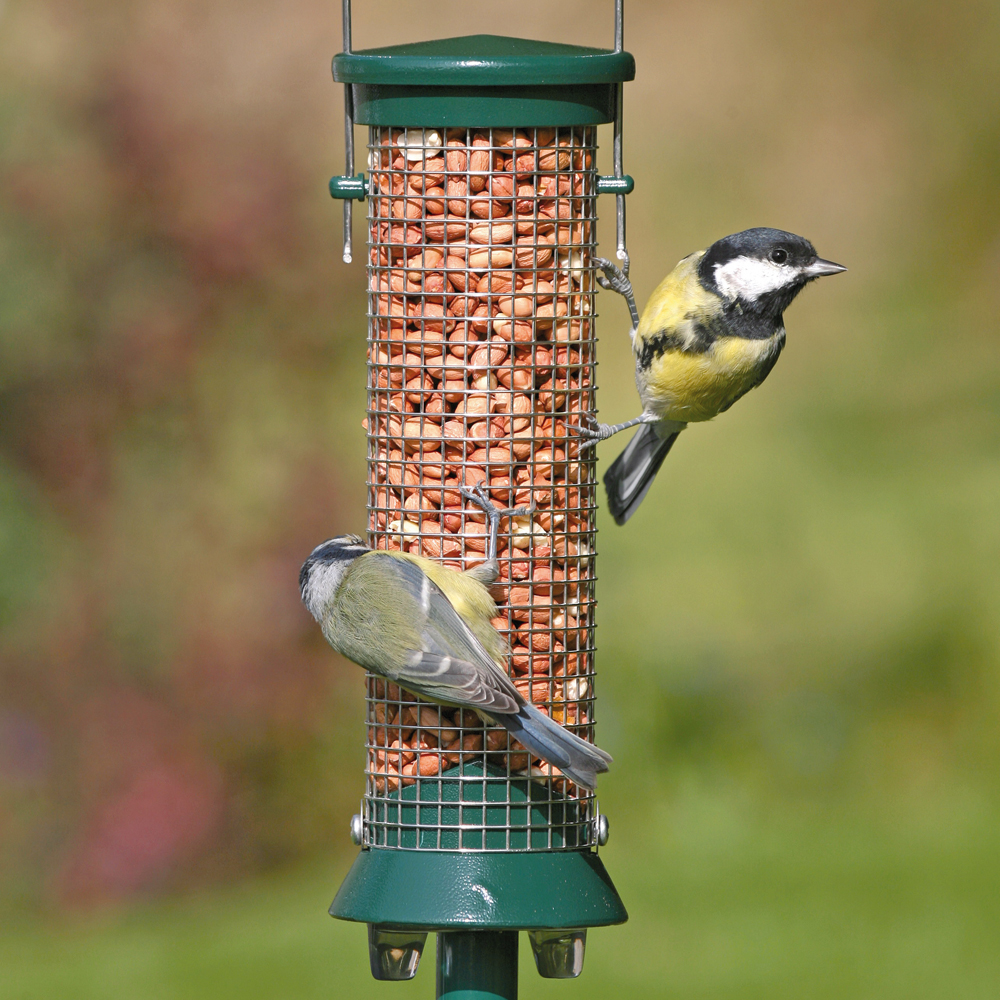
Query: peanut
(481, 354)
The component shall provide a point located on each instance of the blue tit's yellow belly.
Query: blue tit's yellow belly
(694, 386)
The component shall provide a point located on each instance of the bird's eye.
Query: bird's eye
(779, 256)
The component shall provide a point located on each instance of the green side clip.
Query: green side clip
(615, 185)
(347, 188)
(356, 188)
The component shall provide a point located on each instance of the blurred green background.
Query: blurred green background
(800, 629)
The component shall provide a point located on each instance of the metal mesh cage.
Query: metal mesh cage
(481, 350)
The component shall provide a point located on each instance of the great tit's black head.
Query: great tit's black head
(762, 269)
(322, 572)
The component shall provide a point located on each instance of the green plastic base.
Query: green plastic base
(472, 890)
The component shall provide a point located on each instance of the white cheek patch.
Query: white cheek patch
(323, 583)
(749, 278)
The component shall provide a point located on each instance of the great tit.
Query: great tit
(427, 628)
(711, 332)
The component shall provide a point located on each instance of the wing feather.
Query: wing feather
(425, 645)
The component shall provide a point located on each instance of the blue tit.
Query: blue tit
(427, 628)
(711, 332)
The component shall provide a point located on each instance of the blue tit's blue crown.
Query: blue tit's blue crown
(338, 549)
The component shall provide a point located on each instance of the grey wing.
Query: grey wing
(440, 657)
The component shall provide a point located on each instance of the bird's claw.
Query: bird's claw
(478, 495)
(614, 279)
(591, 434)
(481, 497)
(626, 261)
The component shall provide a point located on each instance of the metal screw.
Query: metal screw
(602, 830)
(357, 829)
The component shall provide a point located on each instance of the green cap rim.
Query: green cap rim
(483, 61)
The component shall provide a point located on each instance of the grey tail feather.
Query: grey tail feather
(579, 760)
(631, 474)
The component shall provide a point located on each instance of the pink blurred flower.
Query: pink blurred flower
(138, 838)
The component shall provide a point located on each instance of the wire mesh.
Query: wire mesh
(481, 350)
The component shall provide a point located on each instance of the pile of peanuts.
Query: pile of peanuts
(481, 351)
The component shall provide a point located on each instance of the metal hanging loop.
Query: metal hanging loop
(622, 252)
(348, 139)
(348, 187)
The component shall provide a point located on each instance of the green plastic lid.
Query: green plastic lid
(483, 81)
(485, 61)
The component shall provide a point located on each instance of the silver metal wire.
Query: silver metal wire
(481, 349)
(348, 135)
(619, 141)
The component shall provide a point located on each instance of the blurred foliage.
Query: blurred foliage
(180, 356)
(804, 610)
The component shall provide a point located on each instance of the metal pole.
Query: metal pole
(348, 136)
(619, 171)
(477, 965)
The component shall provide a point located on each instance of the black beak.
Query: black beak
(819, 267)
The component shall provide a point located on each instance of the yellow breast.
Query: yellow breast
(693, 387)
(684, 382)
(677, 301)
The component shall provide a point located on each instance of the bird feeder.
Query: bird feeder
(481, 195)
